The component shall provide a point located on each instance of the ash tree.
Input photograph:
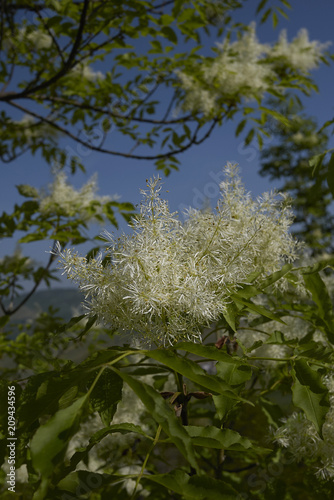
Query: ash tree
(73, 72)
(201, 363)
(298, 159)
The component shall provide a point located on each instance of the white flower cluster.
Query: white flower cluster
(36, 39)
(61, 198)
(40, 40)
(299, 435)
(301, 54)
(304, 140)
(31, 129)
(170, 279)
(247, 68)
(83, 71)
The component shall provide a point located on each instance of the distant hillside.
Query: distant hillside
(66, 300)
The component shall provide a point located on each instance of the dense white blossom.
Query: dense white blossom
(168, 279)
(63, 199)
(304, 140)
(39, 39)
(86, 72)
(35, 39)
(301, 54)
(32, 129)
(300, 436)
(247, 68)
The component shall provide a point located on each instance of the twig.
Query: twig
(9, 312)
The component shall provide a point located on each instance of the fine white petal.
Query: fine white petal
(170, 279)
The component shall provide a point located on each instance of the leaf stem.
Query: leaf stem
(156, 439)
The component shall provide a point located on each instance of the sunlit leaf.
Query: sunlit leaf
(309, 393)
(163, 415)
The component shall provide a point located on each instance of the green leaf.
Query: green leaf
(275, 19)
(4, 320)
(276, 337)
(249, 137)
(255, 345)
(224, 405)
(272, 411)
(261, 5)
(192, 371)
(212, 437)
(230, 315)
(156, 47)
(42, 394)
(166, 19)
(259, 309)
(233, 374)
(124, 428)
(32, 237)
(309, 393)
(106, 394)
(240, 127)
(247, 291)
(101, 358)
(77, 483)
(210, 352)
(321, 297)
(194, 487)
(275, 114)
(27, 191)
(52, 438)
(316, 351)
(316, 161)
(169, 33)
(90, 323)
(73, 321)
(319, 292)
(163, 415)
(330, 174)
(319, 266)
(281, 11)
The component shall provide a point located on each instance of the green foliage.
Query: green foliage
(75, 98)
(73, 392)
(309, 393)
(48, 441)
(194, 487)
(297, 158)
(330, 174)
(96, 419)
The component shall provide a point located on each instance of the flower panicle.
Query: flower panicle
(170, 279)
(247, 68)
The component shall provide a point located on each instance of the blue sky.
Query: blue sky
(200, 170)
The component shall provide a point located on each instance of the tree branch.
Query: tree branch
(90, 107)
(66, 67)
(53, 38)
(10, 312)
(192, 141)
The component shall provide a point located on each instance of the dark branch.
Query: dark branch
(89, 107)
(10, 312)
(51, 35)
(66, 67)
(192, 141)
